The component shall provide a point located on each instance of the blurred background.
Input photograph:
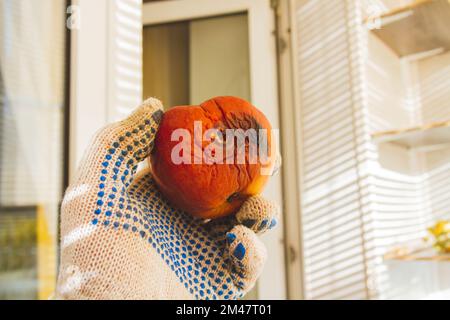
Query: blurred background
(359, 90)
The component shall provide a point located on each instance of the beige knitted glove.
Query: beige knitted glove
(121, 240)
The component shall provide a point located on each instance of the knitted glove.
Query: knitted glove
(122, 240)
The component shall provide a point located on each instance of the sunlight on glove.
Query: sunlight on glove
(121, 240)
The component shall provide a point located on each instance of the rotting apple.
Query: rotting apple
(203, 157)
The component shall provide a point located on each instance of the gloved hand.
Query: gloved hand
(121, 240)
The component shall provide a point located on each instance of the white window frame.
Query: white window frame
(263, 84)
(94, 63)
(88, 83)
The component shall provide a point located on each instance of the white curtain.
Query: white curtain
(32, 95)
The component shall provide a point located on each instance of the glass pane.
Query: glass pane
(166, 63)
(32, 61)
(189, 62)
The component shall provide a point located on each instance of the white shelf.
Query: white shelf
(424, 254)
(419, 27)
(426, 138)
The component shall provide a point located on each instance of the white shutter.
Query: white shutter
(332, 138)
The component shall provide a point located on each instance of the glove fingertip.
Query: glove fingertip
(258, 214)
(149, 110)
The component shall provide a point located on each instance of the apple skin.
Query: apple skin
(209, 190)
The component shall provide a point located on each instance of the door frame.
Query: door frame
(263, 92)
(291, 150)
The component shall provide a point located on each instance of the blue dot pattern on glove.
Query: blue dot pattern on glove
(239, 251)
(197, 258)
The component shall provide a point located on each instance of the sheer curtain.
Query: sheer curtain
(32, 62)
